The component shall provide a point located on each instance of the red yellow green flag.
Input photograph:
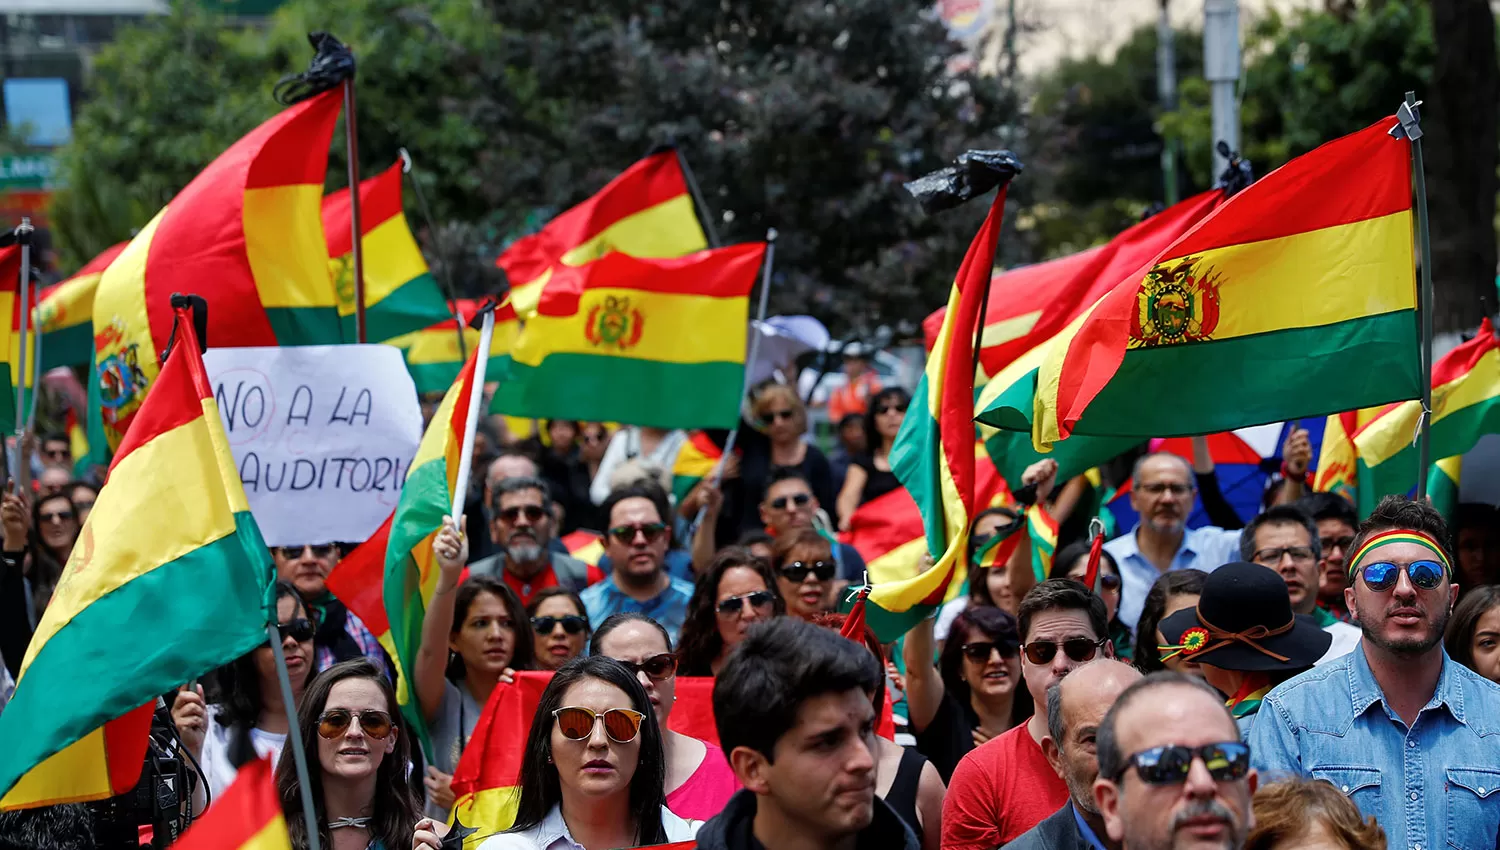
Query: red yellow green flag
(619, 339)
(1294, 298)
(246, 234)
(645, 212)
(247, 816)
(401, 295)
(65, 315)
(586, 546)
(10, 276)
(1465, 407)
(433, 356)
(1338, 462)
(695, 461)
(143, 605)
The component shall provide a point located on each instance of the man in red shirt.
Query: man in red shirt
(521, 527)
(1006, 786)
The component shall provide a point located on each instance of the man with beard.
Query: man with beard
(521, 527)
(1173, 773)
(1075, 707)
(1410, 735)
(1162, 492)
(1285, 540)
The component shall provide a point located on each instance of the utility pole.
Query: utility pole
(1166, 93)
(1221, 67)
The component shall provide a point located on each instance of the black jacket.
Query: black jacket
(731, 830)
(1058, 832)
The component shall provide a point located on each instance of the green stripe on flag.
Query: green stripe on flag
(599, 388)
(425, 500)
(413, 306)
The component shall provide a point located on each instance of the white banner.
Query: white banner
(323, 436)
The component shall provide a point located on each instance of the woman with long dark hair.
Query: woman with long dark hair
(1473, 637)
(593, 769)
(475, 635)
(560, 626)
(699, 780)
(245, 717)
(1073, 562)
(737, 591)
(357, 762)
(805, 572)
(1170, 593)
(870, 475)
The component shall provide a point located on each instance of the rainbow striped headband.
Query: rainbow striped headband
(1401, 535)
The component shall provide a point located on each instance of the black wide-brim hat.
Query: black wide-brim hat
(1244, 621)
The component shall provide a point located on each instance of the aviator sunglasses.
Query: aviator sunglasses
(1077, 649)
(756, 598)
(335, 722)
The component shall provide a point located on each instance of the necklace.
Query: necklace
(357, 823)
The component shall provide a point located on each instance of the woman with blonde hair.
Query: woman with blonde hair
(1310, 814)
(777, 441)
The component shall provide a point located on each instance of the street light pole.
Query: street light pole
(1166, 93)
(1221, 67)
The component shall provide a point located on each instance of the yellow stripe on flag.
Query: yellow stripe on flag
(390, 249)
(1394, 430)
(284, 242)
(717, 327)
(669, 229)
(76, 773)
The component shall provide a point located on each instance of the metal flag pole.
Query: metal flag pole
(437, 245)
(23, 236)
(704, 217)
(351, 149)
(760, 318)
(294, 736)
(36, 369)
(476, 395)
(1411, 128)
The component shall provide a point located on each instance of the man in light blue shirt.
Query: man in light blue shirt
(1162, 492)
(1410, 735)
(636, 543)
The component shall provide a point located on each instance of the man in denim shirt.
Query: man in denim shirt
(1411, 736)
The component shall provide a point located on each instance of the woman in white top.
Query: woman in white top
(593, 771)
(656, 447)
(247, 710)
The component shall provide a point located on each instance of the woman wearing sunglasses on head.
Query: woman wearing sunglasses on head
(475, 635)
(560, 625)
(1073, 562)
(592, 773)
(805, 571)
(699, 779)
(870, 475)
(737, 591)
(357, 763)
(246, 718)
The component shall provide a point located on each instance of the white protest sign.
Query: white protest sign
(322, 435)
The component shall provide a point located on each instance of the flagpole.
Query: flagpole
(760, 318)
(23, 236)
(1411, 128)
(294, 736)
(351, 150)
(36, 369)
(446, 283)
(704, 217)
(476, 396)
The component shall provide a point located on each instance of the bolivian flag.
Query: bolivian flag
(247, 235)
(1465, 406)
(66, 314)
(645, 212)
(169, 579)
(1294, 298)
(247, 816)
(411, 570)
(586, 546)
(10, 276)
(1338, 461)
(696, 460)
(649, 342)
(433, 356)
(400, 294)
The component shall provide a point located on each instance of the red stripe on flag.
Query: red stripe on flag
(379, 202)
(357, 580)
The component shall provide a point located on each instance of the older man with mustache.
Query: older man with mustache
(1411, 736)
(521, 528)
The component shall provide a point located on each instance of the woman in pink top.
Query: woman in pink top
(699, 779)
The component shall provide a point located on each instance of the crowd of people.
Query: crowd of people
(1308, 678)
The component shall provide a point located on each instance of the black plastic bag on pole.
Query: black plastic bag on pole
(974, 173)
(331, 65)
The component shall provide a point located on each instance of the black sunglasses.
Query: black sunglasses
(772, 415)
(887, 408)
(1106, 580)
(625, 534)
(321, 550)
(572, 624)
(800, 500)
(658, 668)
(982, 650)
(756, 598)
(797, 571)
(534, 513)
(299, 630)
(1226, 762)
(1077, 649)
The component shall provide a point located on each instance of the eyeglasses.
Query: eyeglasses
(1160, 487)
(572, 624)
(299, 630)
(1170, 765)
(54, 453)
(335, 722)
(534, 513)
(322, 550)
(982, 650)
(800, 500)
(1107, 581)
(1077, 649)
(757, 599)
(1340, 543)
(773, 415)
(57, 516)
(625, 534)
(83, 504)
(658, 668)
(797, 571)
(1272, 557)
(887, 408)
(1382, 575)
(577, 723)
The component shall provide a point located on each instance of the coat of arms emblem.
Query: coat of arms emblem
(1177, 302)
(614, 324)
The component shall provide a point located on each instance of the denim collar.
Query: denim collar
(1364, 691)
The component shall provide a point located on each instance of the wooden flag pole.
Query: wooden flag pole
(351, 149)
(1411, 128)
(476, 395)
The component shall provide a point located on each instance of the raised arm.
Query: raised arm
(451, 548)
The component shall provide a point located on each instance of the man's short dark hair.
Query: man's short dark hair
(1404, 513)
(851, 419)
(1107, 739)
(643, 489)
(784, 473)
(779, 665)
(1063, 594)
(1279, 515)
(63, 827)
(1321, 506)
(520, 484)
(54, 437)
